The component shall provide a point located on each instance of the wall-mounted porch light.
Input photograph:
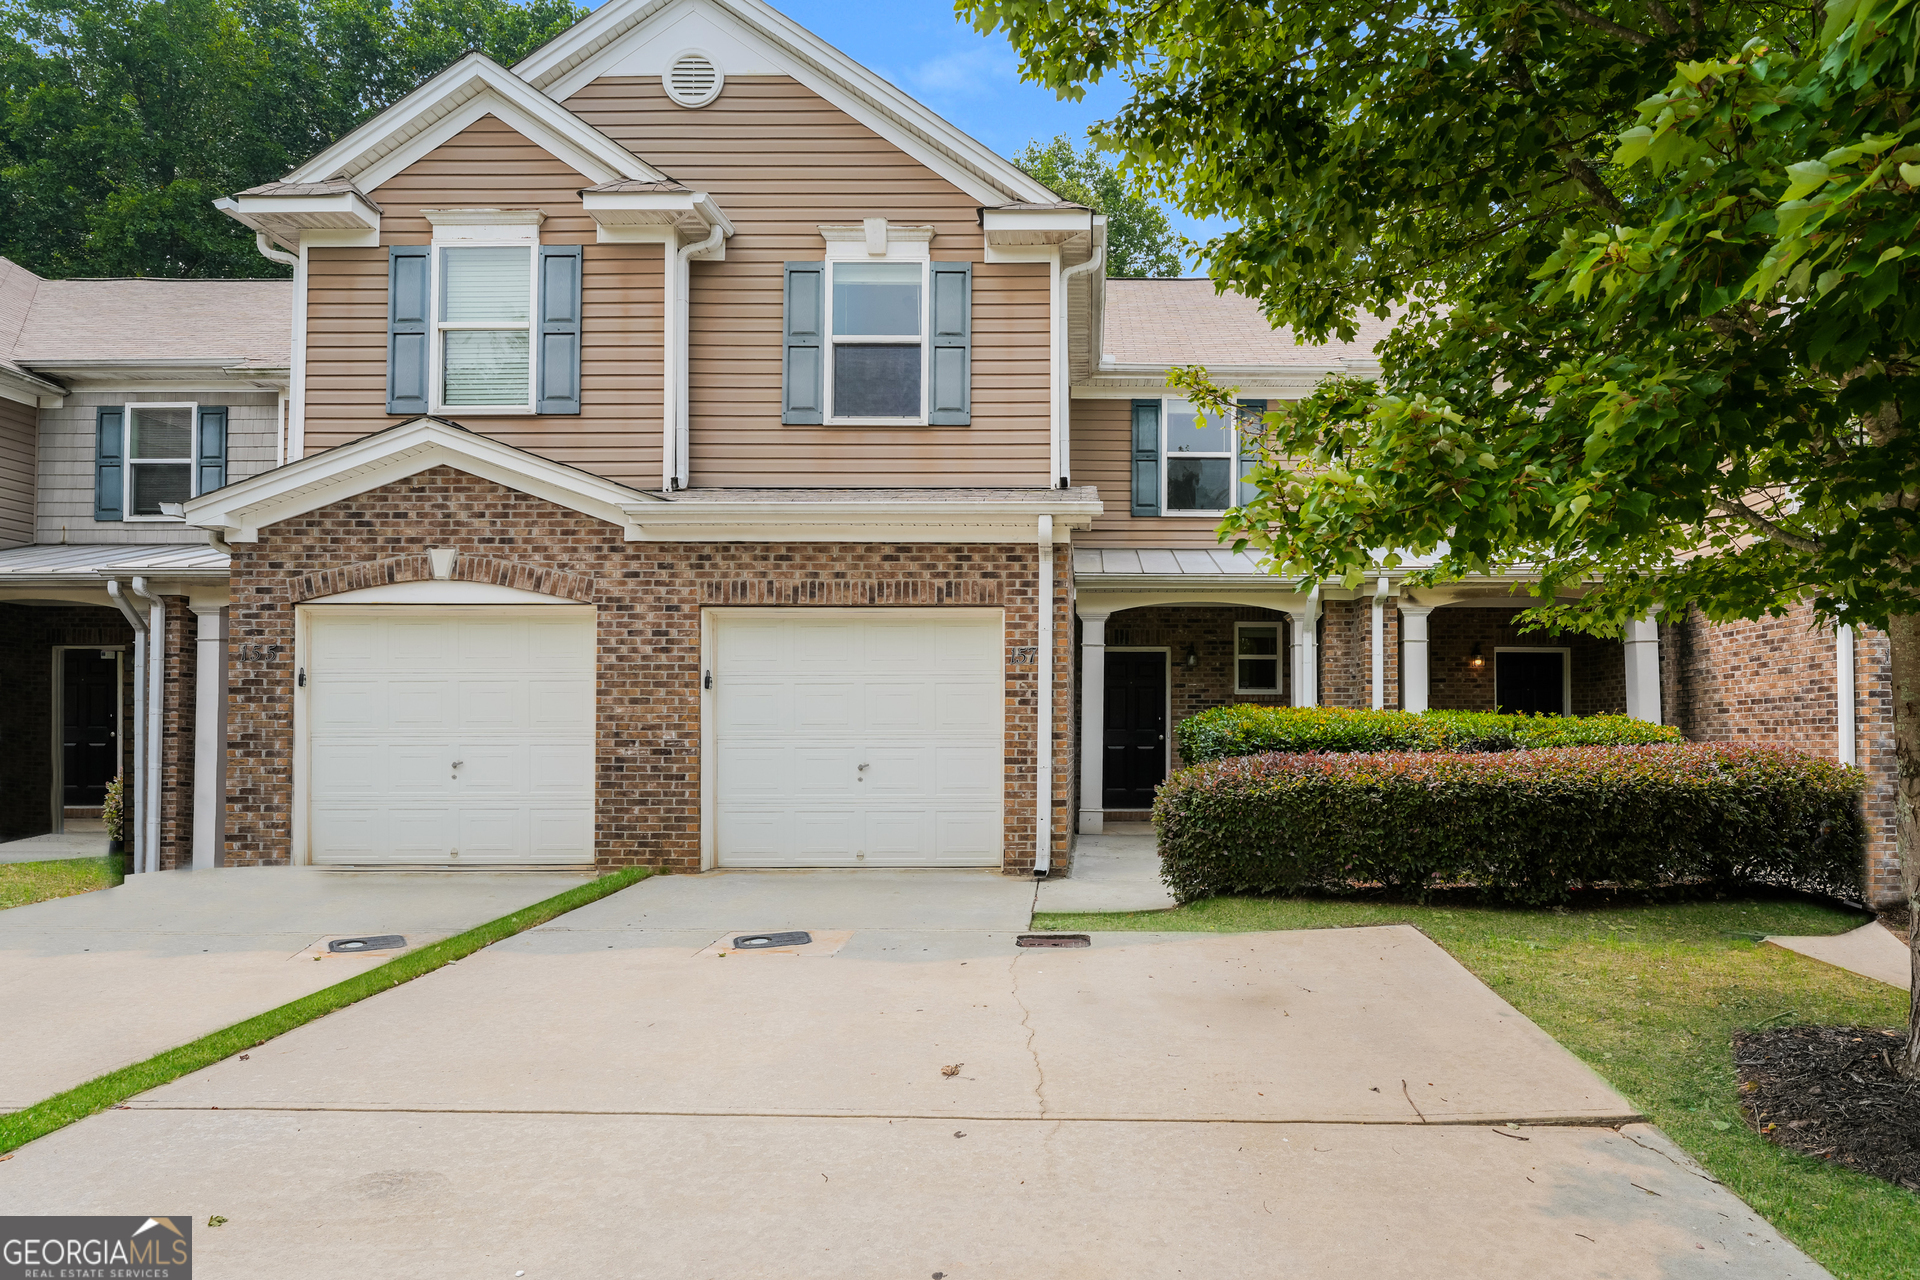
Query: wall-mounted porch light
(1476, 661)
(1193, 656)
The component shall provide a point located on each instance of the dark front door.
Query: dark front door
(90, 697)
(1136, 731)
(1531, 682)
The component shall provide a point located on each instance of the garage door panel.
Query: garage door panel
(492, 704)
(419, 704)
(803, 699)
(968, 771)
(821, 771)
(826, 706)
(412, 689)
(898, 707)
(344, 646)
(752, 707)
(554, 769)
(961, 834)
(967, 707)
(559, 704)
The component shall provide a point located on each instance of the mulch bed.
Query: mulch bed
(1830, 1092)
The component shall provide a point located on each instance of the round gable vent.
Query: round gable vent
(693, 80)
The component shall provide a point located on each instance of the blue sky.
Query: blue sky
(972, 80)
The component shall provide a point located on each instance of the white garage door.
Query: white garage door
(448, 734)
(857, 738)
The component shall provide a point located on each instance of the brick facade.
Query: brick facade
(178, 703)
(1776, 681)
(1598, 667)
(649, 598)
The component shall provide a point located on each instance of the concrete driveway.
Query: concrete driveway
(622, 1092)
(113, 977)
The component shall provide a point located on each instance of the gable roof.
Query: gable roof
(583, 51)
(63, 329)
(1157, 323)
(473, 87)
(240, 510)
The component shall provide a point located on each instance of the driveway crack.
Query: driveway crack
(1668, 1156)
(1026, 1024)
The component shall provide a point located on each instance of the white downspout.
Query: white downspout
(1043, 708)
(283, 421)
(156, 682)
(1380, 644)
(1063, 388)
(676, 453)
(139, 791)
(1849, 752)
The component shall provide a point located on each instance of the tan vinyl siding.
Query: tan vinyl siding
(617, 432)
(19, 433)
(780, 161)
(1102, 449)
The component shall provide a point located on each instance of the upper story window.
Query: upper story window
(1189, 464)
(878, 334)
(483, 325)
(149, 458)
(877, 314)
(486, 320)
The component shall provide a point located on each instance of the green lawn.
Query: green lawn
(1650, 997)
(25, 882)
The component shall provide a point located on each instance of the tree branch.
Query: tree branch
(1741, 511)
(1599, 23)
(1663, 16)
(1579, 169)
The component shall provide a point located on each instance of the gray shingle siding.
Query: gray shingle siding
(66, 461)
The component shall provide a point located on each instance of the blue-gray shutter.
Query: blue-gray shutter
(210, 451)
(109, 464)
(1146, 457)
(802, 365)
(408, 298)
(950, 362)
(1251, 412)
(558, 388)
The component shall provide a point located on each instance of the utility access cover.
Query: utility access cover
(1053, 940)
(761, 941)
(377, 942)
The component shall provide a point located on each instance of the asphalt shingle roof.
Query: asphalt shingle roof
(1162, 322)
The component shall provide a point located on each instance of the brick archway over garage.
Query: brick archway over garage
(519, 574)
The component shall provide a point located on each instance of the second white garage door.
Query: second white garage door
(857, 738)
(452, 735)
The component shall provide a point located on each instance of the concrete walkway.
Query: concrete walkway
(624, 1092)
(1110, 873)
(83, 838)
(115, 976)
(1872, 951)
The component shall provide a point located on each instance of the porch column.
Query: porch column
(1093, 722)
(1643, 669)
(1306, 651)
(209, 737)
(1413, 655)
(1379, 647)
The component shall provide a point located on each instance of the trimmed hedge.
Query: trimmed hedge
(1245, 729)
(1524, 826)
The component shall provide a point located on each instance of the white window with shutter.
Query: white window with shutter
(485, 337)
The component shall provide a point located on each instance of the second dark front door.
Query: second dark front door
(1534, 683)
(1136, 729)
(89, 696)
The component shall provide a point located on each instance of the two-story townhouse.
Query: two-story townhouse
(694, 452)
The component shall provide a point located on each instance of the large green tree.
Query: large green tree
(1140, 239)
(1653, 270)
(122, 120)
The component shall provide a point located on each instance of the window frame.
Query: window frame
(437, 326)
(1236, 456)
(833, 340)
(128, 463)
(1279, 630)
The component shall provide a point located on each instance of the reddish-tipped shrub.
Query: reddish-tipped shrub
(1525, 826)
